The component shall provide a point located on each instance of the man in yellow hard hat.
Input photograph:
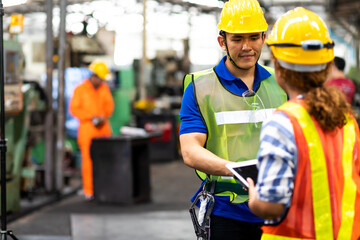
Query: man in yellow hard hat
(308, 186)
(221, 116)
(92, 104)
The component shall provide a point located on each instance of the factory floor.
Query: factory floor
(164, 216)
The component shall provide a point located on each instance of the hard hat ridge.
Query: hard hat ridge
(242, 16)
(301, 37)
(100, 69)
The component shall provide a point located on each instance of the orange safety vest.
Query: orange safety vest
(326, 197)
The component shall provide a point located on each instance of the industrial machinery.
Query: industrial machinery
(21, 98)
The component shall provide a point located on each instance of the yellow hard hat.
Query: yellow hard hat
(99, 68)
(301, 37)
(242, 16)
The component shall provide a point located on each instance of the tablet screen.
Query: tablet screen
(247, 171)
(243, 170)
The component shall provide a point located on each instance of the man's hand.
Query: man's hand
(98, 121)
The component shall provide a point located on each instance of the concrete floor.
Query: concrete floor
(164, 217)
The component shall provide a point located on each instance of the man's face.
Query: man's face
(244, 49)
(95, 80)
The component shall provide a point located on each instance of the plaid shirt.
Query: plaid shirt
(277, 161)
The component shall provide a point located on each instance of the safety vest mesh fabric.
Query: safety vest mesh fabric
(326, 199)
(234, 122)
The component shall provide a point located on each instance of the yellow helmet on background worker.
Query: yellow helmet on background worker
(242, 16)
(100, 69)
(300, 41)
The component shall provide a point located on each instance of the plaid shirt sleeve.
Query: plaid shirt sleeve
(277, 161)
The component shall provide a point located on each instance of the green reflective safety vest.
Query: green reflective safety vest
(233, 122)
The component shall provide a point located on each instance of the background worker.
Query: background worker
(309, 164)
(92, 104)
(221, 115)
(339, 80)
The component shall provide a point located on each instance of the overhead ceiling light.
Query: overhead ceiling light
(9, 3)
(208, 3)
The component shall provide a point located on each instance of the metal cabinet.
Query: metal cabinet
(121, 171)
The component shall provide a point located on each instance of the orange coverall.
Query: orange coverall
(88, 102)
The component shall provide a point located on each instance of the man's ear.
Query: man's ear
(263, 36)
(221, 42)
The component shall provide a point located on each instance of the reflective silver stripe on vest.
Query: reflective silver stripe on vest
(244, 116)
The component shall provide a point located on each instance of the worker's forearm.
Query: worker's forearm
(108, 109)
(266, 210)
(202, 159)
(81, 114)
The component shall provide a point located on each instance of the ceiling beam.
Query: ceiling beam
(298, 3)
(348, 9)
(36, 6)
(187, 5)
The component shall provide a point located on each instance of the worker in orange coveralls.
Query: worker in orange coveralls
(92, 104)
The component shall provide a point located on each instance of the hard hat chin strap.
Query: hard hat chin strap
(223, 34)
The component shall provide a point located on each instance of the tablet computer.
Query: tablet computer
(243, 170)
